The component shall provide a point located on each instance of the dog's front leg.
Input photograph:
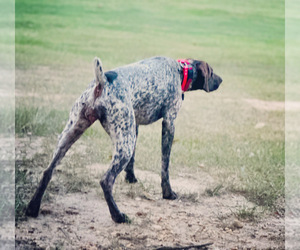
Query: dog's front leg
(168, 130)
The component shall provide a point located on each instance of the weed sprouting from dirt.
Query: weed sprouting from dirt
(247, 214)
(20, 194)
(23, 188)
(211, 192)
(133, 192)
(189, 197)
(138, 190)
(269, 198)
(71, 176)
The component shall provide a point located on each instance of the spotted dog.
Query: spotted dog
(122, 99)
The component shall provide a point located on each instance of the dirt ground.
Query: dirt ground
(81, 220)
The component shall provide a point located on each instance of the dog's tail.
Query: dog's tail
(99, 75)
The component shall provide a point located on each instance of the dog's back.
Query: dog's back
(153, 84)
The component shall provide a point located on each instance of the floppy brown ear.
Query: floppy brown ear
(203, 69)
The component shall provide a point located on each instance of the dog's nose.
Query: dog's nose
(219, 79)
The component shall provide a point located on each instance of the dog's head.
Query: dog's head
(205, 78)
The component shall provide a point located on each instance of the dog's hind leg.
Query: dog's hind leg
(81, 117)
(130, 176)
(120, 160)
(124, 138)
(67, 138)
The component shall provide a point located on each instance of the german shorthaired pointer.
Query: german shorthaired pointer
(122, 99)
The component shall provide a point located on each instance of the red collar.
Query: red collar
(187, 78)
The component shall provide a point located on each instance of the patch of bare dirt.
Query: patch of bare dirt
(7, 188)
(292, 223)
(81, 220)
(273, 105)
(266, 105)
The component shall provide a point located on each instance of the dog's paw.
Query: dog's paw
(32, 211)
(123, 218)
(130, 178)
(170, 196)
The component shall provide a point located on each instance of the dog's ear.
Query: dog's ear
(203, 73)
(100, 77)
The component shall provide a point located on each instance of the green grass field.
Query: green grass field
(243, 41)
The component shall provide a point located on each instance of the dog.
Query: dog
(122, 99)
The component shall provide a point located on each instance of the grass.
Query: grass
(214, 191)
(292, 118)
(38, 121)
(292, 160)
(73, 177)
(7, 124)
(239, 41)
(247, 214)
(20, 194)
(6, 196)
(70, 178)
(189, 197)
(244, 42)
(137, 190)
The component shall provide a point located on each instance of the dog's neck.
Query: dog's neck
(197, 81)
(187, 74)
(194, 77)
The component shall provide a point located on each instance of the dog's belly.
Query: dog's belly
(151, 101)
(148, 106)
(145, 116)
